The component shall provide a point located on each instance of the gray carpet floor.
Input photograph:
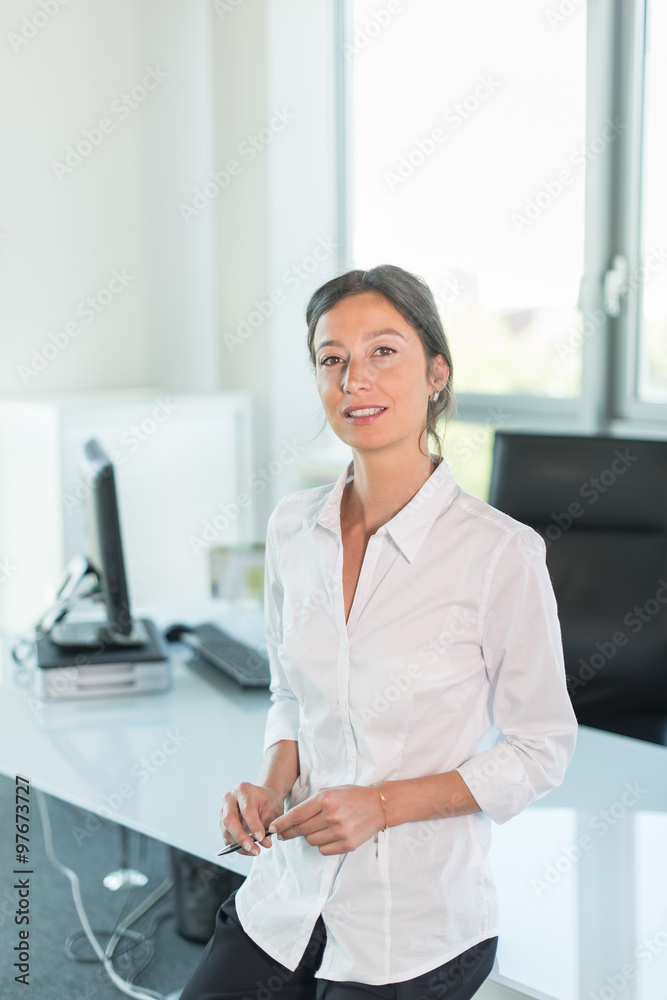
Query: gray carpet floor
(162, 962)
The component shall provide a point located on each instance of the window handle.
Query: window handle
(615, 285)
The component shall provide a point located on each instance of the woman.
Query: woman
(408, 625)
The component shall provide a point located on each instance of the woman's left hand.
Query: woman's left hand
(335, 820)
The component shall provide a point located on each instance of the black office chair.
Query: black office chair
(601, 506)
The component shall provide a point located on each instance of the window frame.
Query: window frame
(629, 410)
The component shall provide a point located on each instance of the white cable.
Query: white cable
(76, 895)
(151, 900)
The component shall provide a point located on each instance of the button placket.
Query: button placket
(343, 666)
(368, 565)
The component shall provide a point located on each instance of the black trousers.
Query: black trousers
(234, 967)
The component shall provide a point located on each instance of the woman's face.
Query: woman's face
(367, 356)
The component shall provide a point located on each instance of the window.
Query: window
(467, 162)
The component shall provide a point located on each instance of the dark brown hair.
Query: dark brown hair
(414, 300)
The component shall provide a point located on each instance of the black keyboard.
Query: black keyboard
(243, 663)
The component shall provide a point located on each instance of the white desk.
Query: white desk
(157, 763)
(567, 931)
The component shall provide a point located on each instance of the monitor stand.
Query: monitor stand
(90, 635)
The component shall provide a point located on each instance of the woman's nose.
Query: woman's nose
(356, 373)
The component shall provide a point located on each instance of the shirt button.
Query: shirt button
(341, 703)
(350, 753)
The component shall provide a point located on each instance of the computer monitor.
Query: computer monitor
(105, 555)
(103, 535)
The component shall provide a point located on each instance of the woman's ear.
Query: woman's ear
(441, 375)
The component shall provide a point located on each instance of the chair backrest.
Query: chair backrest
(601, 506)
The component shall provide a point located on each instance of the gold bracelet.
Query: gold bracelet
(384, 807)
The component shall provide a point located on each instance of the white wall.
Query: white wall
(65, 233)
(201, 255)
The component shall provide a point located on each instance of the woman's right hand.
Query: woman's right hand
(249, 810)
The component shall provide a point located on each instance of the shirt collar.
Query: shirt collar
(410, 526)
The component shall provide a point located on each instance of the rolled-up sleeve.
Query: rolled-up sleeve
(283, 716)
(523, 654)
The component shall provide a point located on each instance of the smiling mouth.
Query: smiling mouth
(368, 411)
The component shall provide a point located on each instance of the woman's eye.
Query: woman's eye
(332, 357)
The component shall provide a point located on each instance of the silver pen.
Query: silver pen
(239, 847)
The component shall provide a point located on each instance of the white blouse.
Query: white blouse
(451, 659)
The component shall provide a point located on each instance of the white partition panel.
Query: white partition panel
(182, 465)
